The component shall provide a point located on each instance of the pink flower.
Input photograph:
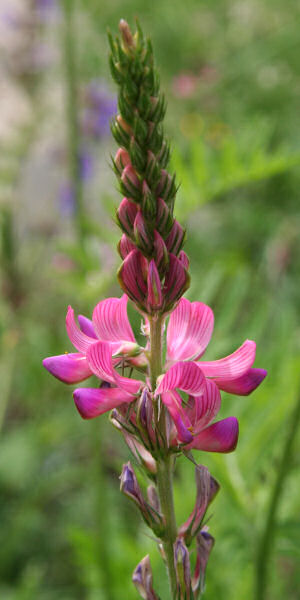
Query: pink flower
(107, 342)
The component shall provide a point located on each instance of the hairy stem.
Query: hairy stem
(165, 463)
(265, 545)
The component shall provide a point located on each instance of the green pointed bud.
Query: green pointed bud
(153, 170)
(127, 37)
(140, 128)
(136, 155)
(148, 203)
(155, 137)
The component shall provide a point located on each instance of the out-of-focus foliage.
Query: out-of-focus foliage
(231, 74)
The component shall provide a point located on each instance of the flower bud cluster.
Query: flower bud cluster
(154, 272)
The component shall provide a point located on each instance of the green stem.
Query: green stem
(266, 542)
(72, 116)
(102, 511)
(165, 463)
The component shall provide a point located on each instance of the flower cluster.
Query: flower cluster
(107, 347)
(162, 407)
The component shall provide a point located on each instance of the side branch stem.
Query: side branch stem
(165, 462)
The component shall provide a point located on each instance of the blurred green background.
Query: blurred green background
(231, 74)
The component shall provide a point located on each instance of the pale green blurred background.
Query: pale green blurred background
(231, 74)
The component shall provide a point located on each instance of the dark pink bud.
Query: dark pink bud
(141, 233)
(154, 297)
(184, 259)
(122, 159)
(175, 238)
(131, 182)
(160, 252)
(164, 220)
(131, 277)
(126, 214)
(125, 246)
(177, 281)
(183, 570)
(143, 580)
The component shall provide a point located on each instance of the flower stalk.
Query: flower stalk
(158, 423)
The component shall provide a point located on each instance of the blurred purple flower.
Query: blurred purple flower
(66, 193)
(99, 107)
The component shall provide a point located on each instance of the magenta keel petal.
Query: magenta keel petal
(244, 385)
(92, 402)
(86, 326)
(219, 437)
(69, 368)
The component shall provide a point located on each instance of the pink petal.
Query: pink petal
(244, 385)
(69, 368)
(201, 410)
(86, 326)
(111, 322)
(219, 437)
(172, 401)
(189, 330)
(100, 361)
(185, 376)
(80, 340)
(92, 402)
(231, 366)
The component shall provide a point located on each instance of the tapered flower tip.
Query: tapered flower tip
(142, 579)
(69, 368)
(219, 437)
(92, 402)
(244, 385)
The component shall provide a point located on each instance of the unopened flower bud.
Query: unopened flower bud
(183, 258)
(142, 233)
(125, 246)
(166, 188)
(144, 410)
(126, 214)
(152, 170)
(136, 155)
(143, 580)
(123, 125)
(164, 220)
(177, 281)
(131, 183)
(131, 278)
(183, 569)
(160, 252)
(175, 239)
(122, 159)
(164, 155)
(148, 203)
(127, 37)
(143, 457)
(154, 297)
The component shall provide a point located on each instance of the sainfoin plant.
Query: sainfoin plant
(164, 407)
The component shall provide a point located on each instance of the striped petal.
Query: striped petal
(173, 402)
(111, 322)
(92, 402)
(201, 410)
(185, 376)
(69, 368)
(219, 437)
(244, 385)
(99, 357)
(232, 366)
(189, 331)
(87, 326)
(79, 339)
